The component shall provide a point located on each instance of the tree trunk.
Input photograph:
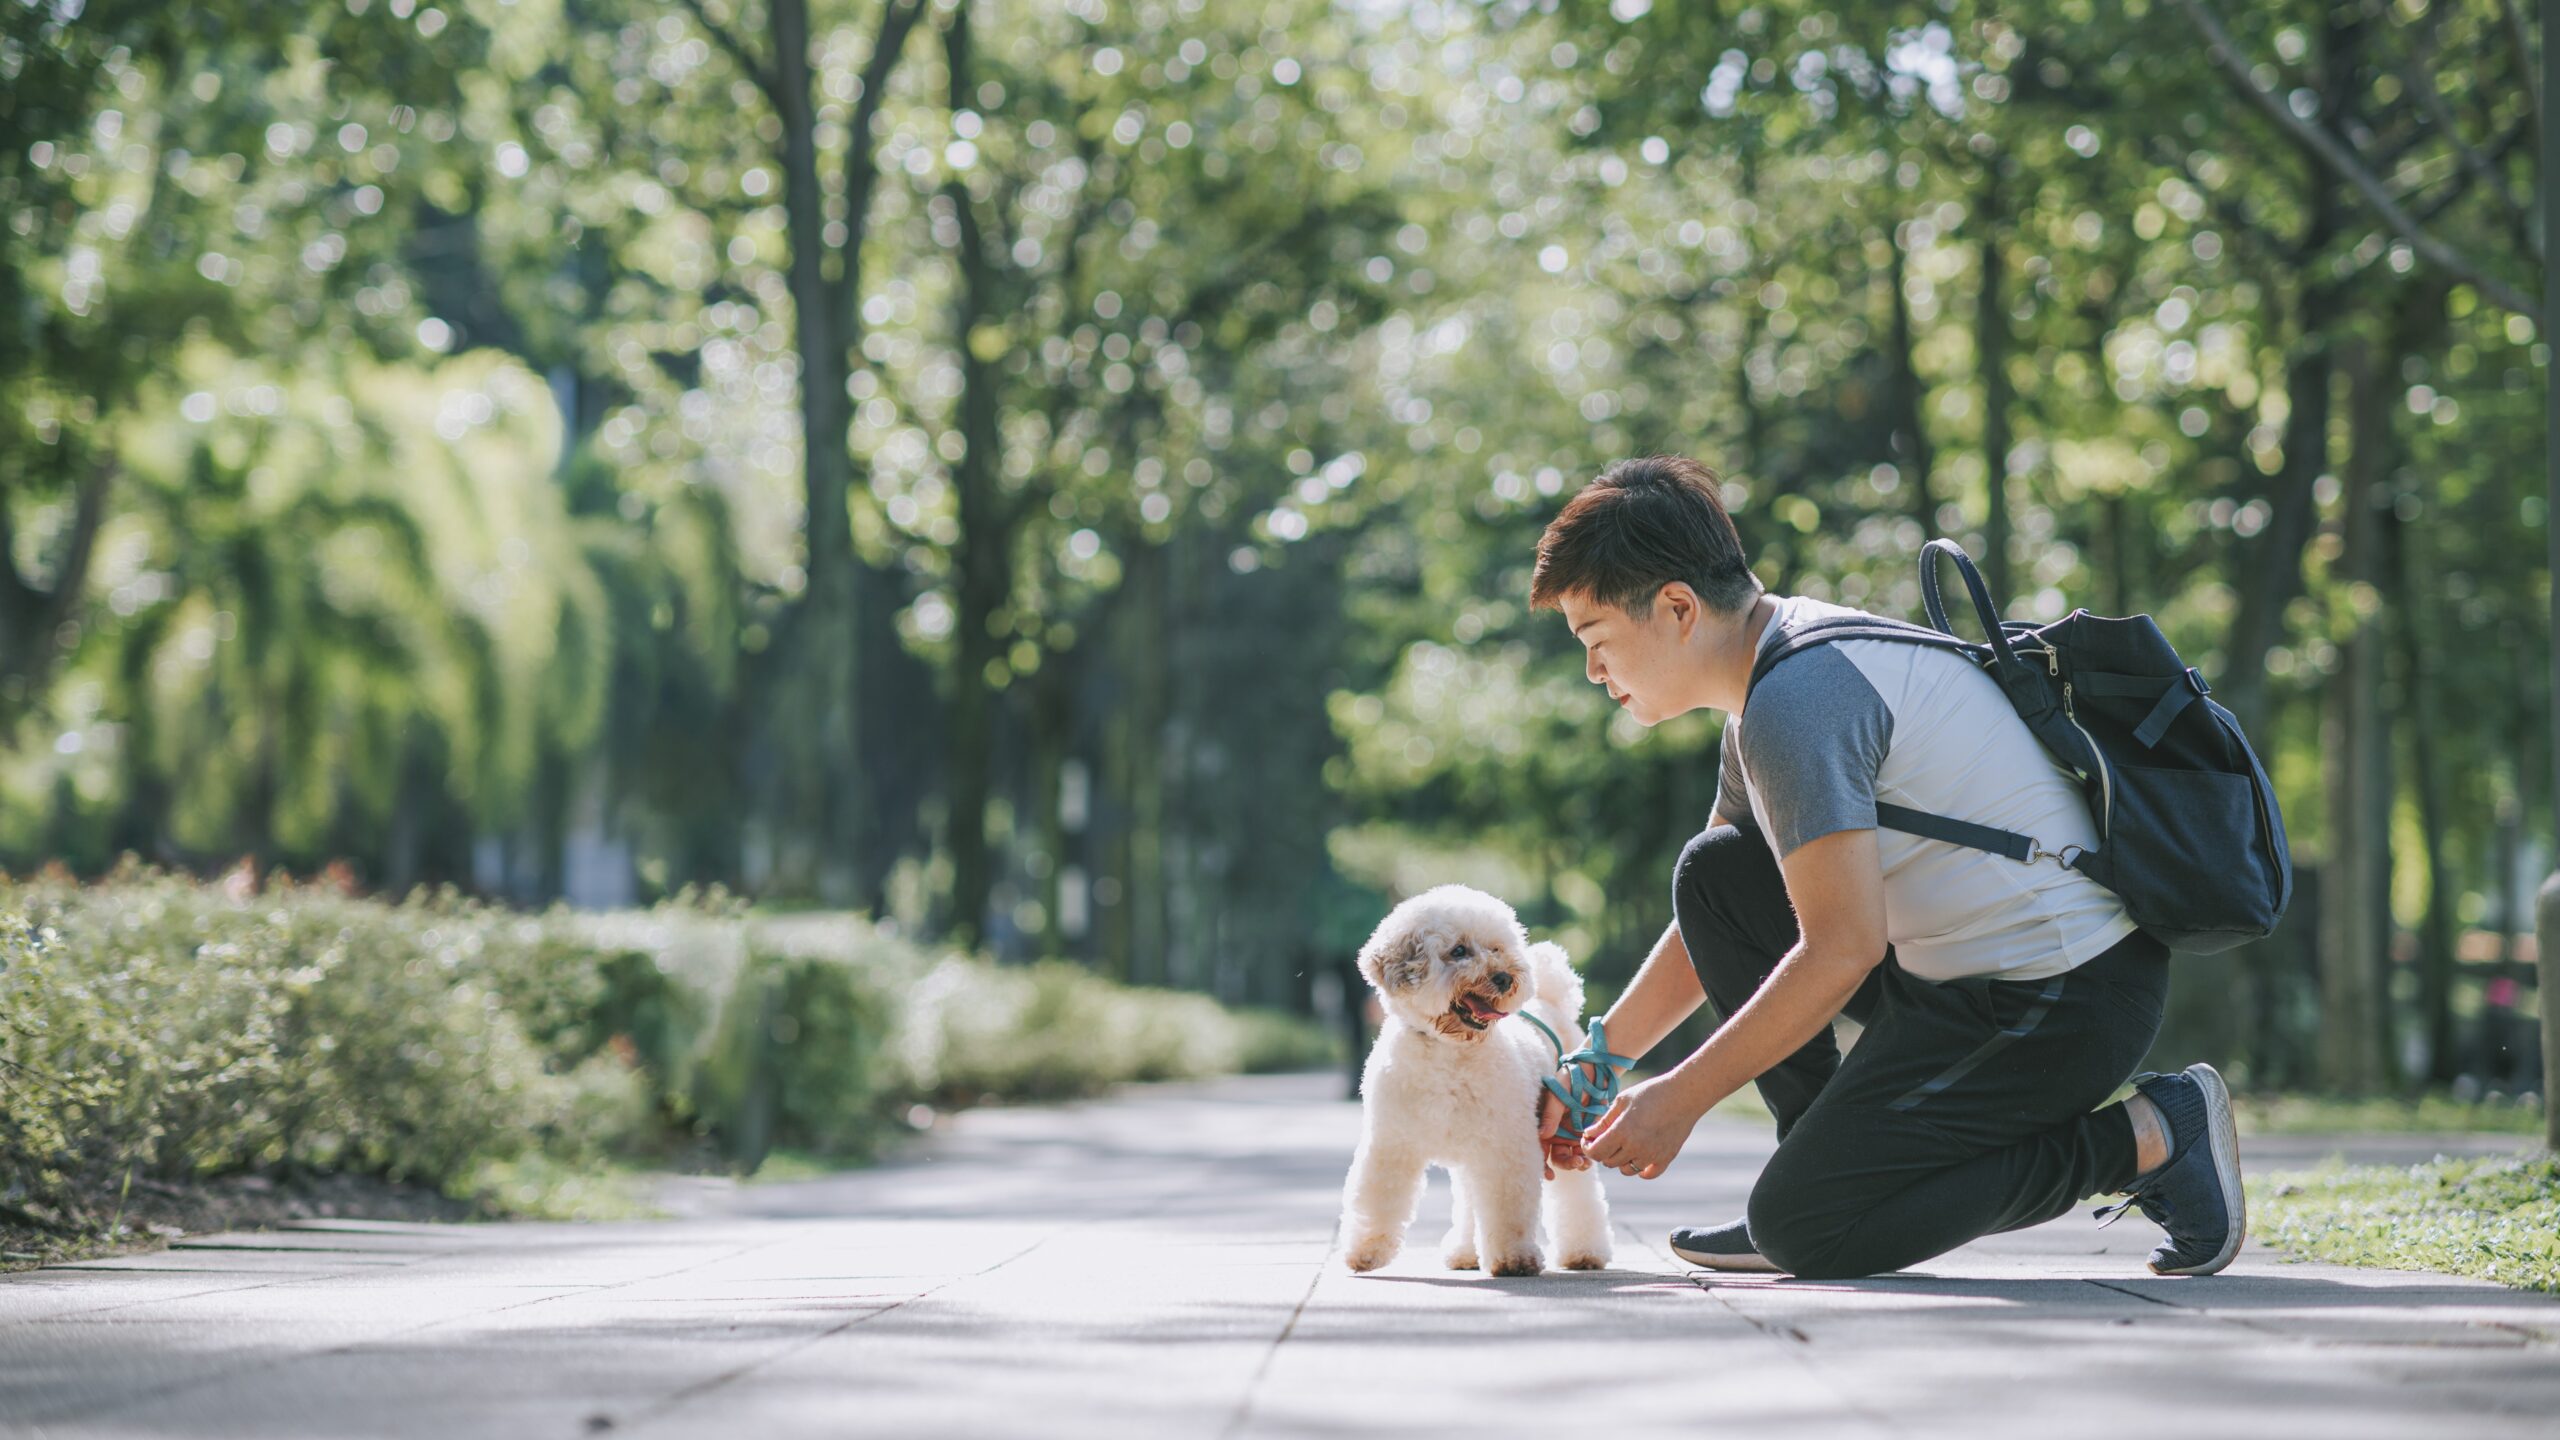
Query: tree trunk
(2418, 627)
(1991, 353)
(2354, 954)
(1051, 725)
(2547, 141)
(983, 556)
(2268, 573)
(37, 626)
(1128, 891)
(818, 776)
(1911, 451)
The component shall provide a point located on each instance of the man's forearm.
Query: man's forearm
(1664, 993)
(1797, 1001)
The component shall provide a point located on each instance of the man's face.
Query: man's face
(1638, 661)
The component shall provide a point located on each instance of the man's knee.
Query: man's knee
(1780, 1230)
(1790, 1231)
(1717, 868)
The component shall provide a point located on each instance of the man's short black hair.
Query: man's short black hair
(1641, 525)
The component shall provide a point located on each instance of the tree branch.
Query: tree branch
(727, 39)
(2344, 165)
(88, 512)
(2520, 47)
(2228, 212)
(2417, 70)
(861, 162)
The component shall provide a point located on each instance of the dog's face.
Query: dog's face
(1451, 962)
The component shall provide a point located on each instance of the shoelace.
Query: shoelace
(2152, 1206)
(1595, 1074)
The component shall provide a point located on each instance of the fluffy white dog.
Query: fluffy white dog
(1451, 1082)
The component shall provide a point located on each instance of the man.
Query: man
(2001, 1002)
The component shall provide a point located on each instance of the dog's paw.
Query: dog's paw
(1519, 1262)
(1459, 1257)
(1367, 1255)
(1585, 1260)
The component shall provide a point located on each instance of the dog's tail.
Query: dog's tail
(1559, 984)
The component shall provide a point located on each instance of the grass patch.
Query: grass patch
(2282, 1114)
(2491, 1218)
(544, 1187)
(784, 1167)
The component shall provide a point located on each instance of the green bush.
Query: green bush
(155, 1026)
(152, 1025)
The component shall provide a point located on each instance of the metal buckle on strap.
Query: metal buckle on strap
(2068, 854)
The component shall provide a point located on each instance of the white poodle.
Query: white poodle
(1454, 1081)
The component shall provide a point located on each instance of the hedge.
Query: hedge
(152, 1025)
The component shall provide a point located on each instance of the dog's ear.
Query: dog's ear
(1393, 959)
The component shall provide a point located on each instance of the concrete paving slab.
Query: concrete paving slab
(1163, 1264)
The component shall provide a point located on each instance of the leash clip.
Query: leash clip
(1594, 1071)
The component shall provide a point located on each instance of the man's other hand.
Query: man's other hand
(1560, 1152)
(1643, 1131)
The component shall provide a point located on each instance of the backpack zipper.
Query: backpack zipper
(2106, 782)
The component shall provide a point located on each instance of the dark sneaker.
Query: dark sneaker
(1722, 1247)
(2195, 1196)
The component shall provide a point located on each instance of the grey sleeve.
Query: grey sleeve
(1816, 738)
(1733, 793)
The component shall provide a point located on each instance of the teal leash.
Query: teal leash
(1595, 1075)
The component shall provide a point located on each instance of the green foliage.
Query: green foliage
(1053, 1030)
(2286, 1114)
(159, 1026)
(2495, 1218)
(155, 1026)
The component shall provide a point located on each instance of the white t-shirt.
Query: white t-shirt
(1833, 730)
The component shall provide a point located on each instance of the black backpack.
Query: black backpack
(2188, 833)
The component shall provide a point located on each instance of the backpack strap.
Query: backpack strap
(2008, 844)
(1858, 627)
(2175, 693)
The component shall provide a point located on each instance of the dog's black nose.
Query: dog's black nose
(1501, 981)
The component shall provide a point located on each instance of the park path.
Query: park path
(1159, 1264)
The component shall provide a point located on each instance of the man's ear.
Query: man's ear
(1686, 608)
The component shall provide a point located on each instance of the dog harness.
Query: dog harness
(1595, 1075)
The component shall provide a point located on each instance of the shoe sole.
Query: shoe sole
(1749, 1262)
(2225, 1139)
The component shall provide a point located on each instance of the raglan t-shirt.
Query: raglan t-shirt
(1826, 735)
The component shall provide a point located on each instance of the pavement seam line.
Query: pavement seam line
(1796, 1345)
(126, 1402)
(1244, 1406)
(663, 1406)
(703, 1387)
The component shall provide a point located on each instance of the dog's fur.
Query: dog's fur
(1454, 1082)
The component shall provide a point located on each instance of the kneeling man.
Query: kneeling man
(2001, 1002)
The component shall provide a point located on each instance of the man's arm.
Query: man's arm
(1664, 992)
(1836, 882)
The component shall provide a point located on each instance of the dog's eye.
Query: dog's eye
(1459, 953)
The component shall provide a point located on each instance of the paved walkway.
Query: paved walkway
(1159, 1265)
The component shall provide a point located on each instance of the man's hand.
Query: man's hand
(1644, 1130)
(1561, 1153)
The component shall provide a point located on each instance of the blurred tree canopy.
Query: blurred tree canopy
(1064, 476)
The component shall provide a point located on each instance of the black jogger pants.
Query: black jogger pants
(1965, 1108)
